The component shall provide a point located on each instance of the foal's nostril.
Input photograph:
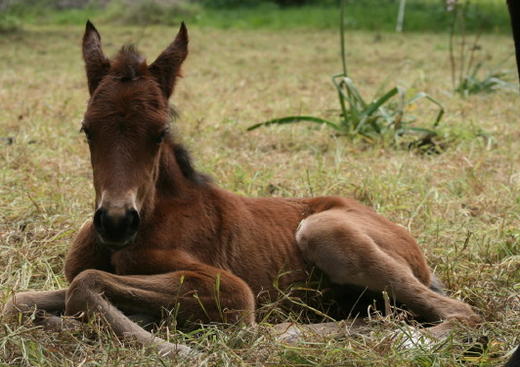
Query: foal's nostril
(116, 226)
(134, 220)
(98, 219)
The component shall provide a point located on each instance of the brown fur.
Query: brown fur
(200, 249)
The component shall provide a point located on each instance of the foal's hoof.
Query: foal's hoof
(178, 351)
(12, 309)
(56, 323)
(291, 333)
(287, 332)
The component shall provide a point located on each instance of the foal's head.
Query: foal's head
(126, 123)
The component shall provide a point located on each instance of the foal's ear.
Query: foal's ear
(167, 66)
(96, 64)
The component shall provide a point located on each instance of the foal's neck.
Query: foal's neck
(176, 180)
(177, 177)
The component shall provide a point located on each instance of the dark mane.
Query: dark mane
(183, 158)
(128, 64)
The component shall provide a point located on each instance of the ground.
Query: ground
(463, 205)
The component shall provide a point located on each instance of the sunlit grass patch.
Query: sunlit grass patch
(462, 205)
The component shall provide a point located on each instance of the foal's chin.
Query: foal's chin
(115, 245)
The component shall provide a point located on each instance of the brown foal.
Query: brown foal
(164, 237)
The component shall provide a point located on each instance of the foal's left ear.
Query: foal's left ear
(167, 66)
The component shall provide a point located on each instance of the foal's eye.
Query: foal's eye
(161, 136)
(86, 132)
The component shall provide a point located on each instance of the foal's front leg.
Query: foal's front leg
(50, 301)
(48, 305)
(84, 254)
(202, 293)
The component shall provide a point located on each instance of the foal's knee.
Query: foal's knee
(238, 301)
(79, 293)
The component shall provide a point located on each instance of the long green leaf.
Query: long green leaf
(351, 88)
(356, 103)
(372, 107)
(418, 130)
(342, 104)
(293, 119)
(434, 101)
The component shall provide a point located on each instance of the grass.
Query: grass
(466, 62)
(463, 206)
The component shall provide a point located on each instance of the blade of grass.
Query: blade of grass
(293, 119)
(342, 38)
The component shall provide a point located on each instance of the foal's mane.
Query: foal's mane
(183, 158)
(129, 65)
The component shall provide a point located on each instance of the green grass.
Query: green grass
(463, 206)
(374, 15)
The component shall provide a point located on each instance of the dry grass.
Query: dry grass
(462, 205)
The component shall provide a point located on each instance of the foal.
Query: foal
(164, 237)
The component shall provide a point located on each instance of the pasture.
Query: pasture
(462, 205)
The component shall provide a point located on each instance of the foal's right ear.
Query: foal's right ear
(96, 64)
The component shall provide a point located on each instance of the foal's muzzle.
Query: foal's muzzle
(116, 228)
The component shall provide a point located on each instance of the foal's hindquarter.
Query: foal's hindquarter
(163, 240)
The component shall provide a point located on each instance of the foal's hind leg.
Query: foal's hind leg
(349, 255)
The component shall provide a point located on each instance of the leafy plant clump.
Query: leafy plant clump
(8, 23)
(382, 119)
(465, 64)
(493, 81)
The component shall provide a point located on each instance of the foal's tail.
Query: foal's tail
(436, 285)
(515, 359)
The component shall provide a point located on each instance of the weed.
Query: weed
(8, 22)
(465, 68)
(493, 81)
(381, 119)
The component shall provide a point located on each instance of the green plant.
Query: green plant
(464, 63)
(382, 118)
(472, 84)
(8, 23)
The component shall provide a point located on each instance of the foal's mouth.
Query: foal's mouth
(115, 245)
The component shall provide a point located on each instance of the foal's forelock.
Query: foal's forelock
(128, 64)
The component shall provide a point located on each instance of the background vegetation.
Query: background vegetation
(463, 205)
(374, 15)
